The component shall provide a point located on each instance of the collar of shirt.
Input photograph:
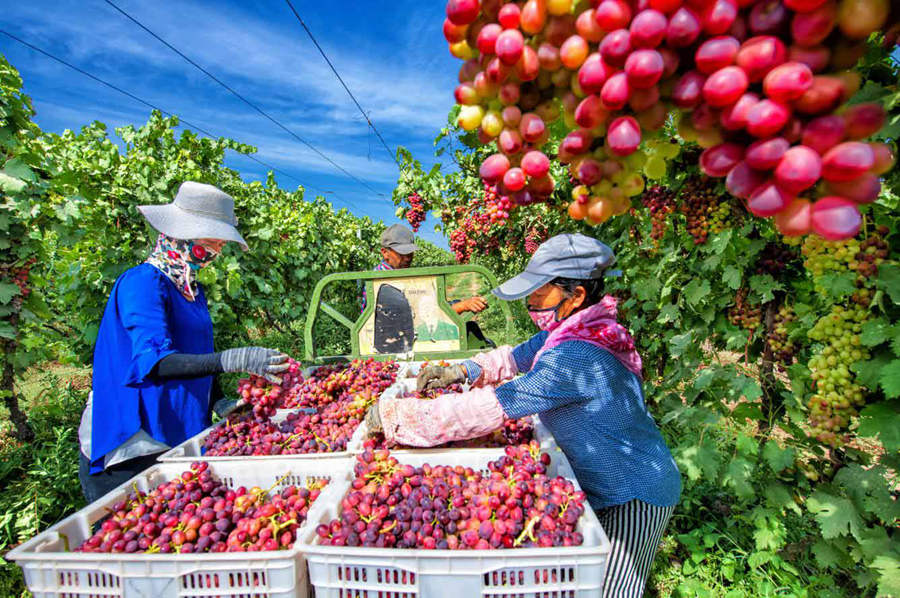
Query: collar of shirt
(383, 266)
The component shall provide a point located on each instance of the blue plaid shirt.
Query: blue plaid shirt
(595, 409)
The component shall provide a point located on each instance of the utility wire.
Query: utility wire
(243, 99)
(350, 93)
(146, 103)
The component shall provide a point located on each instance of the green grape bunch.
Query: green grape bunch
(837, 396)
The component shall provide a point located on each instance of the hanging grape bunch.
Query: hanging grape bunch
(699, 201)
(660, 202)
(872, 252)
(837, 395)
(779, 341)
(774, 259)
(743, 313)
(415, 214)
(18, 275)
(760, 84)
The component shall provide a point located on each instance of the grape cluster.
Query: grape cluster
(744, 313)
(872, 252)
(660, 202)
(433, 393)
(474, 229)
(415, 214)
(340, 382)
(823, 257)
(783, 348)
(534, 237)
(265, 396)
(18, 275)
(774, 259)
(514, 504)
(837, 396)
(196, 512)
(700, 201)
(497, 206)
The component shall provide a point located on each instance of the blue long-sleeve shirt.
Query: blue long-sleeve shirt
(594, 407)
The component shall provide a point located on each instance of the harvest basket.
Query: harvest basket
(51, 571)
(348, 572)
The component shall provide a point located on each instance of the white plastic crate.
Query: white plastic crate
(192, 448)
(51, 571)
(359, 572)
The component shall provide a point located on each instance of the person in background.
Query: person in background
(582, 374)
(398, 247)
(154, 361)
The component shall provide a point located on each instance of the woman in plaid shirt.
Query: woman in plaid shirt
(582, 374)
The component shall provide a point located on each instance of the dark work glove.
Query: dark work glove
(267, 363)
(437, 376)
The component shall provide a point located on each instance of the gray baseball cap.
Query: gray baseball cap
(199, 211)
(400, 239)
(567, 256)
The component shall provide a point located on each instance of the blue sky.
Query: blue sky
(392, 56)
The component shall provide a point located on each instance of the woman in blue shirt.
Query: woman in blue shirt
(154, 361)
(582, 374)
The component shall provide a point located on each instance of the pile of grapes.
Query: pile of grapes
(197, 513)
(759, 83)
(327, 384)
(514, 504)
(338, 394)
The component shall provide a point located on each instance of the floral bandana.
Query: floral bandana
(178, 259)
(597, 325)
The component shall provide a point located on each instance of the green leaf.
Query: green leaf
(696, 290)
(18, 169)
(839, 285)
(880, 420)
(868, 372)
(890, 379)
(7, 292)
(888, 567)
(738, 477)
(827, 554)
(10, 184)
(669, 313)
(679, 343)
(699, 460)
(7, 331)
(732, 277)
(764, 286)
(836, 515)
(889, 281)
(875, 332)
(778, 458)
(780, 497)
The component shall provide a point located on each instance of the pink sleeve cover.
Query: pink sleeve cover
(424, 423)
(496, 366)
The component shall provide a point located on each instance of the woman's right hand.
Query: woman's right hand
(267, 363)
(437, 376)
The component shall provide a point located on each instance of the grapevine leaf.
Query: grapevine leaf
(880, 420)
(839, 285)
(888, 567)
(10, 184)
(732, 277)
(18, 169)
(680, 342)
(696, 290)
(868, 372)
(7, 331)
(704, 378)
(764, 286)
(759, 558)
(738, 477)
(889, 281)
(875, 332)
(7, 292)
(780, 497)
(869, 490)
(700, 460)
(890, 379)
(836, 515)
(778, 458)
(827, 554)
(669, 313)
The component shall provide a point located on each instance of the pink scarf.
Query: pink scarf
(597, 325)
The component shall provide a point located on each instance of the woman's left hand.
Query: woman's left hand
(267, 363)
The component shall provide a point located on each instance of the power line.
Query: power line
(243, 99)
(146, 103)
(350, 93)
